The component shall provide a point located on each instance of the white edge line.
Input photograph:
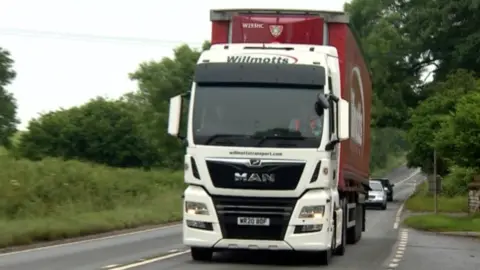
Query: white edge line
(87, 241)
(109, 266)
(400, 209)
(128, 266)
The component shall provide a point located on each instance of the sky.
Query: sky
(69, 51)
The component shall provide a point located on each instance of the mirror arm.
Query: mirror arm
(332, 97)
(331, 144)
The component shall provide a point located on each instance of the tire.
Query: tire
(390, 198)
(340, 250)
(384, 207)
(354, 234)
(201, 254)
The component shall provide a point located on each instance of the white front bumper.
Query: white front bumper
(292, 241)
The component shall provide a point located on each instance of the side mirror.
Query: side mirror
(344, 120)
(321, 104)
(175, 115)
(392, 185)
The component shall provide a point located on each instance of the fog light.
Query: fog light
(200, 225)
(308, 228)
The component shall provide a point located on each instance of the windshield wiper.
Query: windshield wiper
(278, 137)
(217, 136)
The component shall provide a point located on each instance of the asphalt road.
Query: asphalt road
(162, 248)
(424, 250)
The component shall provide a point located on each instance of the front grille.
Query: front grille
(287, 175)
(278, 210)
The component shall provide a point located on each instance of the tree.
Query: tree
(157, 83)
(459, 136)
(101, 131)
(429, 117)
(445, 33)
(386, 49)
(8, 107)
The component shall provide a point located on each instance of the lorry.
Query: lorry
(255, 181)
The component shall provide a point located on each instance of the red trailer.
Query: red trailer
(315, 28)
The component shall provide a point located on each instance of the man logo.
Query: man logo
(254, 177)
(276, 30)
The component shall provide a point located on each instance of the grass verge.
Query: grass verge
(421, 201)
(55, 199)
(444, 223)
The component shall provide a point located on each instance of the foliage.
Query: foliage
(394, 75)
(8, 107)
(386, 145)
(423, 201)
(53, 199)
(445, 32)
(101, 131)
(426, 121)
(456, 182)
(459, 136)
(444, 223)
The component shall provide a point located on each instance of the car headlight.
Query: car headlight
(312, 211)
(196, 208)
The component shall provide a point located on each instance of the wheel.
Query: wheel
(340, 250)
(384, 206)
(201, 254)
(390, 198)
(354, 234)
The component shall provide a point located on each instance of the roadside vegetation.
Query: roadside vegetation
(54, 199)
(108, 164)
(423, 201)
(444, 223)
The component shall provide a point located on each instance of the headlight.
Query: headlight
(196, 208)
(312, 211)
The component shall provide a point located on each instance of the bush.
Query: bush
(456, 182)
(53, 199)
(422, 201)
(100, 131)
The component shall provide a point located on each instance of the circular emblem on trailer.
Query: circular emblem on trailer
(357, 107)
(276, 30)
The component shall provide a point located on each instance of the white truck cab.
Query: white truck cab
(262, 122)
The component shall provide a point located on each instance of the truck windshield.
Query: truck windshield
(256, 117)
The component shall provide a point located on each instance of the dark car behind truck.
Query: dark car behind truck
(388, 185)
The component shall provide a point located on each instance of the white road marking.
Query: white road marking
(398, 216)
(129, 266)
(403, 238)
(87, 241)
(109, 266)
(409, 178)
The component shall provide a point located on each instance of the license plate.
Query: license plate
(253, 221)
